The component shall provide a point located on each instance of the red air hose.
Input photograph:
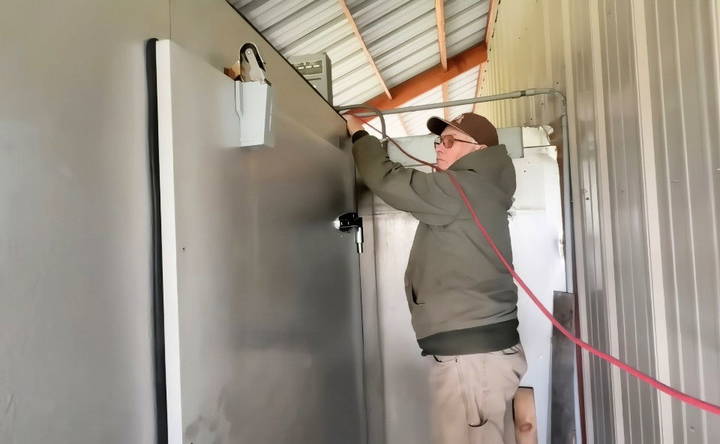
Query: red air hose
(699, 403)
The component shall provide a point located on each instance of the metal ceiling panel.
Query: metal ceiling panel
(401, 36)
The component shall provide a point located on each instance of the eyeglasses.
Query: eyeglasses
(448, 140)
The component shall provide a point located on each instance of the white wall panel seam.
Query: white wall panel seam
(169, 245)
(652, 217)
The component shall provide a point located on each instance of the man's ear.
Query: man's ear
(481, 147)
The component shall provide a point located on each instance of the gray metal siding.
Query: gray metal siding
(635, 332)
(664, 320)
(589, 211)
(516, 61)
(684, 55)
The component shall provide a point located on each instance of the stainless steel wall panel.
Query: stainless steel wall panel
(75, 269)
(269, 292)
(75, 283)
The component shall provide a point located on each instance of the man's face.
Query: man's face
(446, 156)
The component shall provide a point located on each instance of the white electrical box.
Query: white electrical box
(253, 105)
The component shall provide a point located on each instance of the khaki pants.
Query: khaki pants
(472, 396)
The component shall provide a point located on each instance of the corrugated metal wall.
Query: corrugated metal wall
(684, 88)
(643, 85)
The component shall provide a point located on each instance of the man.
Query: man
(462, 300)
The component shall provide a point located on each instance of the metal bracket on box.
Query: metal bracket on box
(253, 106)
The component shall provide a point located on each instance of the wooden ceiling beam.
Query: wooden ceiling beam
(442, 45)
(431, 78)
(492, 17)
(364, 47)
(446, 110)
(480, 80)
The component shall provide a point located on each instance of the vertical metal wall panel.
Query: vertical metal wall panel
(372, 333)
(589, 211)
(685, 83)
(609, 149)
(76, 342)
(635, 332)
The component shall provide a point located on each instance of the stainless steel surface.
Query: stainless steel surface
(269, 291)
(405, 372)
(372, 348)
(401, 35)
(642, 80)
(75, 284)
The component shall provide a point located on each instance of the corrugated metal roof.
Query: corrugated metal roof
(401, 36)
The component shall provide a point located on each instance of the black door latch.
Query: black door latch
(351, 221)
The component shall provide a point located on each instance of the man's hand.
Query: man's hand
(353, 124)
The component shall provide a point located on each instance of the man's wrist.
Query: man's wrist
(358, 134)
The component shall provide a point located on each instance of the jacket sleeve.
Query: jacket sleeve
(430, 197)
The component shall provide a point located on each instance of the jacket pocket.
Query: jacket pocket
(411, 294)
(415, 298)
